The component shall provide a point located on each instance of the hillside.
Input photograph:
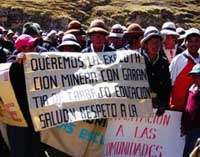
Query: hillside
(55, 14)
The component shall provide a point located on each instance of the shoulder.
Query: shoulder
(41, 49)
(86, 50)
(108, 48)
(178, 62)
(178, 58)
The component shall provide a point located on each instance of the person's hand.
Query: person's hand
(20, 57)
(183, 132)
(160, 111)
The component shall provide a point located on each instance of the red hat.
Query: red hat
(24, 40)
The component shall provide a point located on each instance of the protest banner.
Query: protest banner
(78, 139)
(69, 87)
(144, 137)
(10, 112)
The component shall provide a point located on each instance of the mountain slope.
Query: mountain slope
(55, 14)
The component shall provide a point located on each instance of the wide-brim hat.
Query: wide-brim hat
(181, 33)
(69, 40)
(69, 43)
(192, 31)
(150, 31)
(116, 35)
(97, 26)
(195, 69)
(169, 32)
(10, 32)
(116, 31)
(97, 30)
(169, 28)
(75, 27)
(134, 29)
(75, 31)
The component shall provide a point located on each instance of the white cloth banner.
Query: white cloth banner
(145, 137)
(68, 87)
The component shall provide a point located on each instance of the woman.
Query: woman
(24, 141)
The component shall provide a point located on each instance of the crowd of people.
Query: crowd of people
(171, 56)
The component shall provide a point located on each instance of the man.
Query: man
(180, 66)
(75, 27)
(133, 35)
(97, 33)
(51, 41)
(69, 44)
(115, 37)
(180, 40)
(170, 47)
(157, 69)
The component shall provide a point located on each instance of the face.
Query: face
(135, 41)
(170, 40)
(29, 49)
(117, 42)
(193, 44)
(80, 37)
(69, 48)
(98, 39)
(153, 45)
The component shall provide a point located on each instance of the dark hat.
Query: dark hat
(150, 31)
(97, 26)
(2, 29)
(30, 29)
(134, 29)
(74, 27)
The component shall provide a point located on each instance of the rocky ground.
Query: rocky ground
(14, 13)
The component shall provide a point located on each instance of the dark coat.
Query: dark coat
(17, 79)
(24, 141)
(3, 55)
(159, 79)
(106, 49)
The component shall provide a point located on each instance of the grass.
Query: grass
(186, 12)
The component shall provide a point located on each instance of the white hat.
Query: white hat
(150, 31)
(181, 32)
(124, 28)
(51, 34)
(60, 33)
(169, 28)
(192, 31)
(195, 69)
(117, 31)
(69, 39)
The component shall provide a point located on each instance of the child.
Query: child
(190, 122)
